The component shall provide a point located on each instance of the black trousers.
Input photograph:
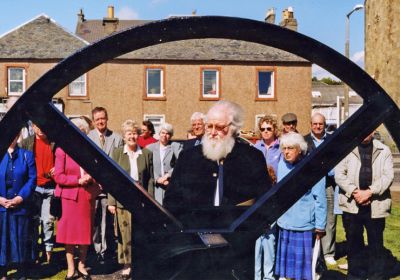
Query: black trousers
(364, 262)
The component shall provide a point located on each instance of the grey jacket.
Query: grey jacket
(113, 140)
(171, 155)
(347, 177)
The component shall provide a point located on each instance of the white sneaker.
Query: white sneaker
(330, 260)
(282, 278)
(344, 266)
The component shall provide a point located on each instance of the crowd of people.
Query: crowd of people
(210, 169)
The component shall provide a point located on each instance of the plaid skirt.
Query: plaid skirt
(294, 254)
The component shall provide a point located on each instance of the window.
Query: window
(16, 81)
(265, 84)
(157, 121)
(210, 83)
(155, 82)
(78, 87)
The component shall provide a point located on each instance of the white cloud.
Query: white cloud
(127, 13)
(358, 58)
(319, 72)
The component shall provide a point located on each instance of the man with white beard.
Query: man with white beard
(214, 178)
(197, 176)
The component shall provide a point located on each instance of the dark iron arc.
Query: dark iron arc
(36, 99)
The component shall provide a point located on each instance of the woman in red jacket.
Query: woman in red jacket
(78, 191)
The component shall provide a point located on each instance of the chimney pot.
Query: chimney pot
(270, 16)
(81, 16)
(110, 11)
(288, 20)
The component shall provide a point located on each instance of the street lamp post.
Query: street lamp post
(347, 54)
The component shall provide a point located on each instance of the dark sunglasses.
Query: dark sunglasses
(265, 128)
(290, 123)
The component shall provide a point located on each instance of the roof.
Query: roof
(194, 49)
(39, 38)
(93, 30)
(324, 95)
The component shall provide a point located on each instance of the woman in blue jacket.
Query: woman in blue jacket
(305, 220)
(17, 181)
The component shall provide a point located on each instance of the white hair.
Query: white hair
(198, 116)
(293, 139)
(217, 148)
(168, 127)
(234, 112)
(81, 124)
(130, 125)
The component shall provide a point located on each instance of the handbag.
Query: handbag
(55, 207)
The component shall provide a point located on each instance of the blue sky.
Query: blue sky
(323, 20)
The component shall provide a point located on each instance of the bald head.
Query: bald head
(318, 125)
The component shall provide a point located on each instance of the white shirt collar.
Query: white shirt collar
(129, 152)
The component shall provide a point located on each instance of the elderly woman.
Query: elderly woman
(138, 163)
(304, 220)
(265, 244)
(165, 154)
(17, 182)
(78, 192)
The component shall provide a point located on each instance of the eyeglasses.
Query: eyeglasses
(262, 129)
(217, 127)
(290, 123)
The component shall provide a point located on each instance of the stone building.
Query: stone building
(30, 50)
(166, 82)
(382, 47)
(382, 44)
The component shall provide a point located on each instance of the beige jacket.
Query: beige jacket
(347, 177)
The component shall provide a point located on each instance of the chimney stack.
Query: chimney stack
(110, 22)
(270, 16)
(288, 20)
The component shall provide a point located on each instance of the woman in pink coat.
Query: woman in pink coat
(78, 192)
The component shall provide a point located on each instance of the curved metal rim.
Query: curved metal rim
(41, 92)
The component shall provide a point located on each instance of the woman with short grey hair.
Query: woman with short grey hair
(165, 154)
(81, 124)
(304, 221)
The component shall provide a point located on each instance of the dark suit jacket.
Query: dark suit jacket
(145, 170)
(188, 144)
(194, 179)
(330, 180)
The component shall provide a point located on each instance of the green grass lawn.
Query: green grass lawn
(391, 239)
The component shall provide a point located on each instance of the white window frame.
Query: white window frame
(157, 120)
(271, 90)
(9, 81)
(216, 86)
(81, 80)
(155, 94)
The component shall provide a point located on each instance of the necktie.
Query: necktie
(221, 180)
(102, 140)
